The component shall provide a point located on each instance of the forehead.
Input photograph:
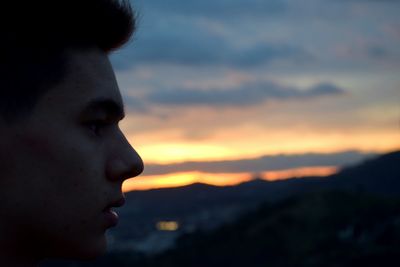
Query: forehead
(89, 79)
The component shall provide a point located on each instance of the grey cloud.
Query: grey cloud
(262, 164)
(378, 52)
(197, 47)
(216, 8)
(169, 32)
(173, 39)
(135, 105)
(325, 89)
(246, 94)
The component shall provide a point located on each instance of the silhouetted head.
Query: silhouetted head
(63, 157)
(35, 36)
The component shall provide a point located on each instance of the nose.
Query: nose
(125, 162)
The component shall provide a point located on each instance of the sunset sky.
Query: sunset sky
(221, 91)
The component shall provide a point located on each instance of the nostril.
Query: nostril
(137, 168)
(117, 169)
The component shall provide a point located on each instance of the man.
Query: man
(63, 157)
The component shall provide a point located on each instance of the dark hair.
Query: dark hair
(35, 36)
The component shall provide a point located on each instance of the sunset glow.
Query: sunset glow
(221, 179)
(299, 172)
(181, 179)
(277, 142)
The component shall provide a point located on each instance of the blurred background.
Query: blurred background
(269, 131)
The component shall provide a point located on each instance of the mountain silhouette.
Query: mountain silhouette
(380, 175)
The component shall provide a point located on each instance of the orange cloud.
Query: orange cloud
(220, 179)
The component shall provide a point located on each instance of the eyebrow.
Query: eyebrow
(107, 105)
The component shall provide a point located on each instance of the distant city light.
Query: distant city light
(167, 226)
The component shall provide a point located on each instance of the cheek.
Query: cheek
(72, 177)
(47, 148)
(64, 154)
(64, 167)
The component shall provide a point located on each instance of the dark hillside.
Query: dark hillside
(320, 229)
(380, 175)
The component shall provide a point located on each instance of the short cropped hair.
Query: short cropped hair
(35, 35)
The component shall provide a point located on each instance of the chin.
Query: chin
(83, 250)
(93, 250)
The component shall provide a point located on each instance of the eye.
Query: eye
(97, 126)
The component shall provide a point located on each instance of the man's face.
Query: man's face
(64, 164)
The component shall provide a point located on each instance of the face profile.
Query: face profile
(63, 157)
(74, 159)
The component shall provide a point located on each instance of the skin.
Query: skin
(62, 165)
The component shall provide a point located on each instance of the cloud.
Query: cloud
(134, 104)
(181, 32)
(198, 47)
(212, 8)
(258, 33)
(262, 164)
(245, 95)
(378, 52)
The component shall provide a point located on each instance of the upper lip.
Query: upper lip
(117, 203)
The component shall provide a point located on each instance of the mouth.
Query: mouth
(110, 215)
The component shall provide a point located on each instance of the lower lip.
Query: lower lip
(111, 217)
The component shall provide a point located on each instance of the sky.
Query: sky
(222, 91)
